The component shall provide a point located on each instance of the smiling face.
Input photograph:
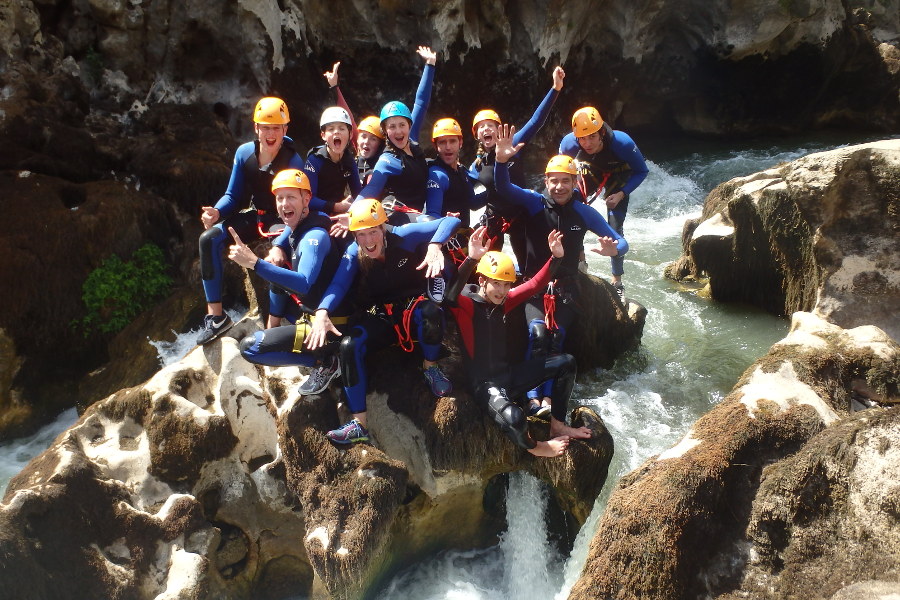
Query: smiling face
(448, 148)
(368, 144)
(494, 290)
(560, 186)
(397, 130)
(592, 144)
(336, 137)
(371, 242)
(270, 136)
(486, 132)
(292, 205)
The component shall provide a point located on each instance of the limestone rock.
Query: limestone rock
(818, 234)
(214, 479)
(780, 490)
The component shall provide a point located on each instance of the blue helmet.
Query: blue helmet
(395, 108)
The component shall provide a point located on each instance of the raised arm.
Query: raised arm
(537, 120)
(423, 93)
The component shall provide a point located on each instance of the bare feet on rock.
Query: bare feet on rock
(558, 428)
(551, 448)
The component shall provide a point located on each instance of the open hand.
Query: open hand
(606, 246)
(434, 261)
(555, 241)
(321, 327)
(479, 243)
(505, 149)
(341, 226)
(428, 54)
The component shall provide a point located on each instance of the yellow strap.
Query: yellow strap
(301, 331)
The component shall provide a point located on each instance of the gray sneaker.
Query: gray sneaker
(321, 376)
(213, 327)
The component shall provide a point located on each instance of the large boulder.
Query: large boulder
(783, 489)
(214, 479)
(817, 234)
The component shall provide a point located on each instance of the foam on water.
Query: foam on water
(15, 454)
(171, 352)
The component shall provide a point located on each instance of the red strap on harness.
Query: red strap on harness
(550, 308)
(263, 232)
(404, 335)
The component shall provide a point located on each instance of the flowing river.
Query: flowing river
(692, 353)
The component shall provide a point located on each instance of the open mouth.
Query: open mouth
(371, 249)
(286, 215)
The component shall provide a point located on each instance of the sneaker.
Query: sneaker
(620, 290)
(539, 411)
(436, 288)
(213, 327)
(437, 381)
(349, 433)
(321, 376)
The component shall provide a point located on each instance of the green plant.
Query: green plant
(117, 291)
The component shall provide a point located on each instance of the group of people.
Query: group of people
(413, 255)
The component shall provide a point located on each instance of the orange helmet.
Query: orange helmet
(291, 178)
(271, 111)
(444, 127)
(481, 115)
(365, 214)
(562, 164)
(586, 121)
(497, 265)
(372, 125)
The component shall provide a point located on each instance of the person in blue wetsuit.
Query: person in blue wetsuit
(313, 260)
(331, 167)
(451, 186)
(391, 268)
(500, 215)
(401, 170)
(609, 163)
(255, 164)
(560, 209)
(499, 378)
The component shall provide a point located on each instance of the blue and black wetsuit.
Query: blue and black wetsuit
(314, 259)
(618, 167)
(498, 208)
(384, 289)
(329, 180)
(452, 190)
(573, 219)
(400, 174)
(250, 186)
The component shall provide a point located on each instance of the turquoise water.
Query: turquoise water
(692, 353)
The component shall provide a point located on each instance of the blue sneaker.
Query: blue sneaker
(437, 381)
(349, 433)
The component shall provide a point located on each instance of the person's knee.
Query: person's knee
(510, 417)
(249, 346)
(349, 364)
(539, 338)
(210, 240)
(432, 322)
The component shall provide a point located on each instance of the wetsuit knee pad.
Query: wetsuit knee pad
(250, 346)
(538, 339)
(564, 380)
(432, 323)
(349, 369)
(510, 417)
(208, 241)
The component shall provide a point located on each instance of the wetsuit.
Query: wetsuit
(399, 174)
(573, 219)
(618, 167)
(498, 208)
(453, 190)
(249, 186)
(329, 179)
(384, 290)
(314, 259)
(498, 376)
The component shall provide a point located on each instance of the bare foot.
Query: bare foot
(551, 448)
(558, 428)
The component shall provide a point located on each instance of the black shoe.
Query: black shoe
(620, 290)
(213, 327)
